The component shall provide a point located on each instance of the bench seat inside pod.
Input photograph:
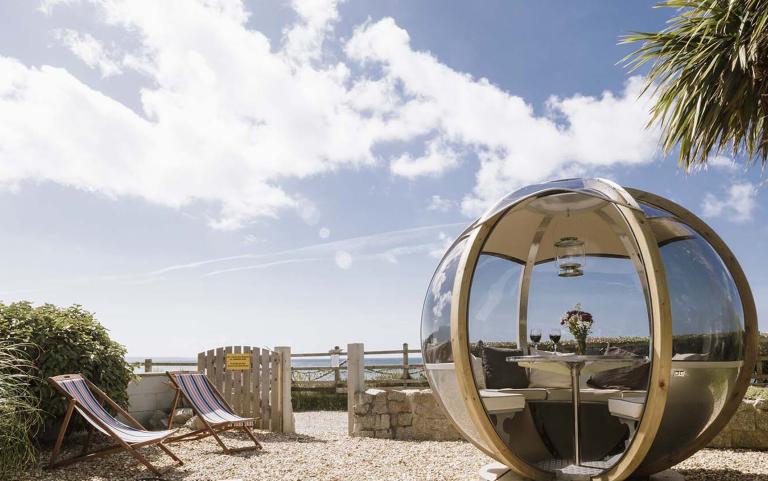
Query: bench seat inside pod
(668, 359)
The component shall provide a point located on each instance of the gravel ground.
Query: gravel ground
(321, 450)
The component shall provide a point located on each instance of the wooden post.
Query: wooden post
(275, 409)
(147, 365)
(355, 380)
(406, 369)
(284, 381)
(201, 362)
(336, 369)
(265, 382)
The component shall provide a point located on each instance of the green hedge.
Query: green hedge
(64, 341)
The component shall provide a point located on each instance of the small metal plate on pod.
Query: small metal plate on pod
(679, 373)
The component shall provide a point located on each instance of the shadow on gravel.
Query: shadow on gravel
(720, 475)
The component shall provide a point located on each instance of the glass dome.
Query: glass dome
(672, 329)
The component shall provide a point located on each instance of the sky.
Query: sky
(207, 173)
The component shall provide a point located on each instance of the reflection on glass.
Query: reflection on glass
(436, 342)
(707, 332)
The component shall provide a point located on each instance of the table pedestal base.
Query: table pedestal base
(499, 472)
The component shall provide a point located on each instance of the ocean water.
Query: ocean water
(322, 364)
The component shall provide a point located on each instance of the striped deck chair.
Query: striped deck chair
(83, 396)
(212, 409)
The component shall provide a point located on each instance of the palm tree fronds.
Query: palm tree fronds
(709, 78)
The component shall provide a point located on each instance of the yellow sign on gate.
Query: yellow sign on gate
(238, 362)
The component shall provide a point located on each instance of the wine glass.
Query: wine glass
(536, 338)
(554, 336)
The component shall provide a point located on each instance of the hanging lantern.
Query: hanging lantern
(571, 256)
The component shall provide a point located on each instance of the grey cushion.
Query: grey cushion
(624, 378)
(499, 373)
(546, 379)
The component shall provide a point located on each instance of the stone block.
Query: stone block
(382, 422)
(404, 419)
(194, 423)
(181, 416)
(383, 434)
(380, 405)
(362, 408)
(395, 407)
(396, 395)
(722, 440)
(368, 422)
(761, 420)
(366, 434)
(744, 419)
(749, 439)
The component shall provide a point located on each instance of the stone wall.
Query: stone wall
(747, 429)
(415, 414)
(149, 394)
(401, 414)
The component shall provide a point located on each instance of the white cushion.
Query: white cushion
(585, 395)
(477, 371)
(640, 394)
(546, 379)
(627, 408)
(530, 394)
(501, 402)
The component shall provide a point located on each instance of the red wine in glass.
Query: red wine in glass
(554, 336)
(535, 338)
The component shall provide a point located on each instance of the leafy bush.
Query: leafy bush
(318, 401)
(19, 415)
(756, 392)
(64, 341)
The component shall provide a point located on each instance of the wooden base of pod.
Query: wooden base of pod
(499, 472)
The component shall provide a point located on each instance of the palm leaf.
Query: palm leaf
(708, 75)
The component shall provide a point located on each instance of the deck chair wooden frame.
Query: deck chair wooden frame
(95, 423)
(211, 428)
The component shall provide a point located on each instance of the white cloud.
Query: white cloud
(722, 162)
(90, 51)
(437, 159)
(324, 233)
(343, 259)
(439, 204)
(737, 205)
(227, 117)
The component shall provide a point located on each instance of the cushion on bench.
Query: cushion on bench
(501, 402)
(627, 408)
(586, 395)
(530, 394)
(501, 374)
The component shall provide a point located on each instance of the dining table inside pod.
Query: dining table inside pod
(575, 366)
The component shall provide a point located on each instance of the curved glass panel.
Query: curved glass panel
(436, 341)
(602, 188)
(707, 329)
(517, 300)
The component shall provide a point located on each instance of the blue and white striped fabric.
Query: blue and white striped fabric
(198, 391)
(90, 408)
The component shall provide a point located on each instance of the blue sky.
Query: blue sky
(275, 173)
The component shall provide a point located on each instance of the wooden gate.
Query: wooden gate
(252, 384)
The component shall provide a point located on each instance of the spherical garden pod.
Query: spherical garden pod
(671, 350)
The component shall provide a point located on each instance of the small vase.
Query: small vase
(581, 345)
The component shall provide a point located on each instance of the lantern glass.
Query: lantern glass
(571, 256)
